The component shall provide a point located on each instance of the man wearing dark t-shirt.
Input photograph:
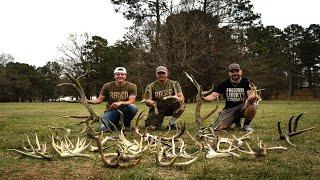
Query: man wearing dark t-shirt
(121, 95)
(235, 90)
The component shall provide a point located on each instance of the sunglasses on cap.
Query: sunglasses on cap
(161, 72)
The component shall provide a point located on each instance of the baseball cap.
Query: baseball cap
(234, 66)
(120, 70)
(161, 69)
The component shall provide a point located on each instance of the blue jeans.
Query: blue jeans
(113, 116)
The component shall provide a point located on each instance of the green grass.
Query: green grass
(301, 162)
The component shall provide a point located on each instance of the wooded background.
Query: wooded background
(201, 37)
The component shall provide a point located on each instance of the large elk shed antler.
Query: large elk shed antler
(290, 131)
(93, 118)
(200, 101)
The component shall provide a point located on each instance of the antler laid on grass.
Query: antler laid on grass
(119, 159)
(290, 131)
(40, 152)
(65, 147)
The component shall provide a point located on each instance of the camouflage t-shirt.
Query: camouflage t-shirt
(158, 91)
(115, 93)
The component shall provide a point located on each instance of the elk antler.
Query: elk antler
(290, 131)
(200, 101)
(39, 153)
(93, 118)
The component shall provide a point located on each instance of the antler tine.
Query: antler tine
(159, 154)
(288, 140)
(251, 152)
(290, 124)
(86, 73)
(209, 91)
(136, 125)
(301, 131)
(39, 153)
(29, 143)
(296, 122)
(121, 120)
(193, 80)
(179, 133)
(200, 145)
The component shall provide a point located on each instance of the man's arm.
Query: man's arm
(99, 100)
(148, 96)
(131, 100)
(211, 97)
(180, 96)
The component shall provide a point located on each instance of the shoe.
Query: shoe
(171, 127)
(247, 128)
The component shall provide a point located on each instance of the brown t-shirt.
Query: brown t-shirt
(115, 93)
(159, 91)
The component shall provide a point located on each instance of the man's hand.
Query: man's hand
(150, 103)
(180, 100)
(115, 105)
(251, 98)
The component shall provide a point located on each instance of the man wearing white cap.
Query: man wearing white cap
(165, 98)
(236, 90)
(121, 95)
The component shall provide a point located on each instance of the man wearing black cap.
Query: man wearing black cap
(235, 90)
(165, 98)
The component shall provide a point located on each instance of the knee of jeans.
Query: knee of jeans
(133, 108)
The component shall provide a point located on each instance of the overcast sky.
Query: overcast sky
(31, 30)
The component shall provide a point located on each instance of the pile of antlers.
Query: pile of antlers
(168, 150)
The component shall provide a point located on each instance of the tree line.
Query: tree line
(199, 37)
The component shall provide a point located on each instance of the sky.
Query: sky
(31, 31)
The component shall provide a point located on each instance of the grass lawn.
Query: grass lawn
(300, 162)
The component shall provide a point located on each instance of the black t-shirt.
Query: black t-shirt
(235, 94)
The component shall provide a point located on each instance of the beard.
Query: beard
(235, 77)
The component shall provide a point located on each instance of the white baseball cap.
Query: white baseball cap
(120, 70)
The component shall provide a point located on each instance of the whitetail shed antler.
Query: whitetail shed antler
(40, 152)
(292, 132)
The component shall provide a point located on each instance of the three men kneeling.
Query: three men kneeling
(165, 98)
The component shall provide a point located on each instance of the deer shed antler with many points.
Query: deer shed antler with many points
(65, 147)
(254, 91)
(39, 153)
(198, 117)
(290, 131)
(93, 118)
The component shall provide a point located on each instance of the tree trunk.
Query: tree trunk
(158, 23)
(205, 6)
(291, 78)
(310, 82)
